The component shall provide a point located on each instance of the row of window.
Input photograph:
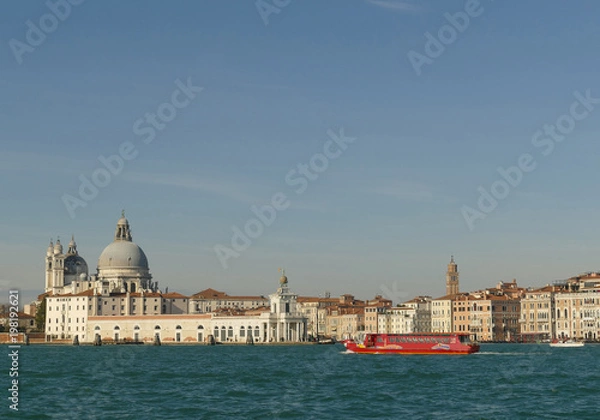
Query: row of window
(56, 320)
(417, 339)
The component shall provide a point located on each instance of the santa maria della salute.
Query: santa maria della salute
(121, 303)
(122, 267)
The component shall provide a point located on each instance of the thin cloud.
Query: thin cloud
(229, 190)
(398, 6)
(405, 191)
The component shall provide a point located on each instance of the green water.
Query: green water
(222, 382)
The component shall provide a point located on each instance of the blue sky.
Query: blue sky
(384, 216)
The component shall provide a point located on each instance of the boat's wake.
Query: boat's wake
(507, 353)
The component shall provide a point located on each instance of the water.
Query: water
(222, 382)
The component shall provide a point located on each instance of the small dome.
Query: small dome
(283, 279)
(75, 266)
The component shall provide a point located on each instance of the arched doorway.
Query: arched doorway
(157, 331)
(136, 333)
(178, 333)
(200, 333)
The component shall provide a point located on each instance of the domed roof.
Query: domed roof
(122, 253)
(74, 264)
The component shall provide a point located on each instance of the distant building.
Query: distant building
(452, 278)
(422, 318)
(441, 314)
(211, 300)
(315, 311)
(25, 321)
(537, 314)
(396, 320)
(121, 302)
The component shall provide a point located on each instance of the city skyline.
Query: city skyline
(256, 101)
(386, 290)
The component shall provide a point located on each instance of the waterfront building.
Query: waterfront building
(346, 319)
(494, 317)
(25, 322)
(537, 314)
(461, 312)
(344, 322)
(577, 309)
(122, 302)
(373, 308)
(210, 300)
(422, 318)
(396, 320)
(280, 323)
(441, 314)
(314, 310)
(506, 312)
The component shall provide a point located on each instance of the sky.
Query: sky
(379, 129)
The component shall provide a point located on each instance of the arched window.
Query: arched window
(137, 327)
(117, 327)
(178, 327)
(157, 327)
(200, 327)
(97, 328)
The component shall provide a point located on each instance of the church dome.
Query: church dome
(123, 258)
(75, 265)
(122, 254)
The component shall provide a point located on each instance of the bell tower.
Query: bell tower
(452, 276)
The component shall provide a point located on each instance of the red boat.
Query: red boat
(414, 343)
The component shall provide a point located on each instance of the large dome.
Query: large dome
(122, 254)
(123, 258)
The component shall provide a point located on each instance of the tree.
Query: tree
(40, 315)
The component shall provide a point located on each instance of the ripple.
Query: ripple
(130, 382)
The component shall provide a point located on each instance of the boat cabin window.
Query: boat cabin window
(464, 338)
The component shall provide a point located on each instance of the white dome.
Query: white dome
(122, 254)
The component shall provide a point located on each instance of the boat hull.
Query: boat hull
(566, 345)
(451, 344)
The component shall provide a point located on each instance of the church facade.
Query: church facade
(122, 303)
